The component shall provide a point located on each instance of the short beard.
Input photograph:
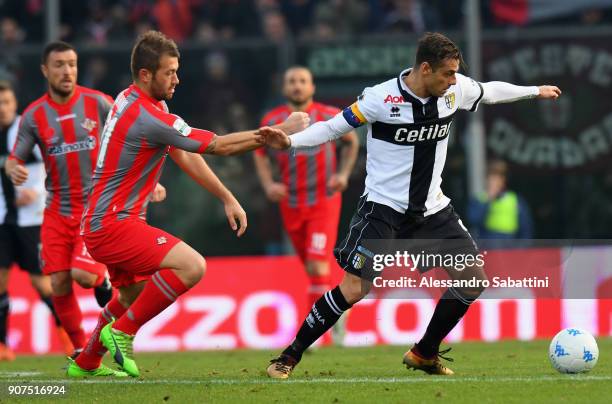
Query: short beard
(60, 92)
(159, 95)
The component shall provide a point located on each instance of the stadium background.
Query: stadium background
(234, 51)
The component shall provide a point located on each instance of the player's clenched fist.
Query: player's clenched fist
(276, 191)
(295, 122)
(549, 92)
(18, 174)
(159, 193)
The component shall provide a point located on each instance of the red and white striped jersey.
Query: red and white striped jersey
(136, 139)
(304, 171)
(68, 136)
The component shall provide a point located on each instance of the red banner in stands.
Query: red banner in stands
(259, 302)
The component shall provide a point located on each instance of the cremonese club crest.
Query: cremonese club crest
(89, 124)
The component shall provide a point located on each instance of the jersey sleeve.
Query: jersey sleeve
(166, 129)
(362, 111)
(330, 111)
(26, 139)
(471, 92)
(105, 105)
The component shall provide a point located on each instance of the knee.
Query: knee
(317, 268)
(474, 292)
(126, 299)
(195, 270)
(128, 294)
(61, 283)
(471, 294)
(84, 279)
(354, 289)
(38, 286)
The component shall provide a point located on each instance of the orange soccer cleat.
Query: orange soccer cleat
(6, 354)
(432, 366)
(65, 340)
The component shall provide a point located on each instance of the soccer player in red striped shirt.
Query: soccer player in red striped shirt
(65, 123)
(309, 192)
(137, 137)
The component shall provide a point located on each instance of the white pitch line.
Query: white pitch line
(353, 380)
(6, 375)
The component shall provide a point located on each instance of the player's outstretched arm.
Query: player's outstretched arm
(234, 143)
(321, 132)
(499, 92)
(276, 136)
(195, 166)
(240, 142)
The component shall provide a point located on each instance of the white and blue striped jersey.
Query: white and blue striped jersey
(407, 141)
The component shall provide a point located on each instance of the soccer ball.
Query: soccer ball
(573, 350)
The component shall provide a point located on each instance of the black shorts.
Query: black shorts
(21, 246)
(374, 221)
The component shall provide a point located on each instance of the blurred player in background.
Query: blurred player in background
(408, 119)
(499, 213)
(309, 192)
(65, 124)
(138, 136)
(21, 214)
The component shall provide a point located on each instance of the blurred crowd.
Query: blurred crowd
(209, 21)
(228, 87)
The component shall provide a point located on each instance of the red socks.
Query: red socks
(69, 313)
(319, 284)
(91, 357)
(160, 292)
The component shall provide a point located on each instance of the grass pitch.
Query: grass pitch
(506, 372)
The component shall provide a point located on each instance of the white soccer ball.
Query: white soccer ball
(573, 350)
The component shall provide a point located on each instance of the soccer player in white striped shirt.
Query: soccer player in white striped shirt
(408, 120)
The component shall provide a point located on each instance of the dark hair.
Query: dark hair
(56, 46)
(149, 48)
(6, 86)
(300, 67)
(434, 48)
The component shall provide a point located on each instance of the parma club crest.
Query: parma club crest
(358, 261)
(449, 100)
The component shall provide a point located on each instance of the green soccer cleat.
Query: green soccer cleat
(76, 371)
(121, 347)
